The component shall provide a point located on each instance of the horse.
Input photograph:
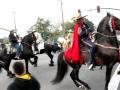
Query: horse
(26, 53)
(5, 60)
(106, 53)
(48, 49)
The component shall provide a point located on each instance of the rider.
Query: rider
(14, 43)
(72, 54)
(12, 38)
(85, 36)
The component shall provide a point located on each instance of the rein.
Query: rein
(104, 34)
(103, 46)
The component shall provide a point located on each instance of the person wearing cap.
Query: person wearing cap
(23, 81)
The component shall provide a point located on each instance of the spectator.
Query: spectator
(23, 81)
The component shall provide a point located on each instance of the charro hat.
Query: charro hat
(78, 16)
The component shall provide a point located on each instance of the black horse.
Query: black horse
(5, 60)
(48, 49)
(26, 53)
(107, 53)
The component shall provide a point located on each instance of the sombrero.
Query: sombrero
(78, 16)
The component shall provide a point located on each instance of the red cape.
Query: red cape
(73, 54)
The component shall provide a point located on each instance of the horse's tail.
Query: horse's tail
(62, 69)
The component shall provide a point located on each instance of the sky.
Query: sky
(25, 12)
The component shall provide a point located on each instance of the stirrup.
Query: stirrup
(90, 67)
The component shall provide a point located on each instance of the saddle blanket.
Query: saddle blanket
(115, 80)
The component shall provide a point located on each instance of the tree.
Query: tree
(42, 26)
(68, 26)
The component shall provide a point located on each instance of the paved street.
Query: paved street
(44, 73)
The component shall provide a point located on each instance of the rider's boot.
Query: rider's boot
(91, 60)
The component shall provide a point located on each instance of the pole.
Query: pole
(102, 8)
(63, 27)
(14, 21)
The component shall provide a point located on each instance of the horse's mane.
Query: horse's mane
(27, 38)
(100, 25)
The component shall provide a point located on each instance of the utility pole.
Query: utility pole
(63, 27)
(14, 21)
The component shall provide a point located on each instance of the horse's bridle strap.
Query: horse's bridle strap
(104, 35)
(26, 44)
(103, 46)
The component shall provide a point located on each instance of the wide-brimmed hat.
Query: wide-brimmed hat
(78, 16)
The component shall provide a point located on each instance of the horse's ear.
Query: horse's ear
(108, 14)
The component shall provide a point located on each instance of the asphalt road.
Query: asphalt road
(44, 73)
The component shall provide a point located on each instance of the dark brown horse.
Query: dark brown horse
(106, 53)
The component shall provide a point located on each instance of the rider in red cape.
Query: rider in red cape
(73, 54)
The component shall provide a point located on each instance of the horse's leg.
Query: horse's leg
(9, 73)
(26, 62)
(7, 65)
(77, 78)
(73, 77)
(109, 68)
(51, 58)
(35, 60)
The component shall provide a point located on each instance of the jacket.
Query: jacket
(25, 82)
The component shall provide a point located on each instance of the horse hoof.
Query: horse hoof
(11, 76)
(81, 86)
(51, 64)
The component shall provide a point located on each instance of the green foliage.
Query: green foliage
(43, 26)
(90, 24)
(68, 25)
(52, 32)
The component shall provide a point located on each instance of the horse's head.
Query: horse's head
(109, 24)
(106, 31)
(38, 37)
(29, 39)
